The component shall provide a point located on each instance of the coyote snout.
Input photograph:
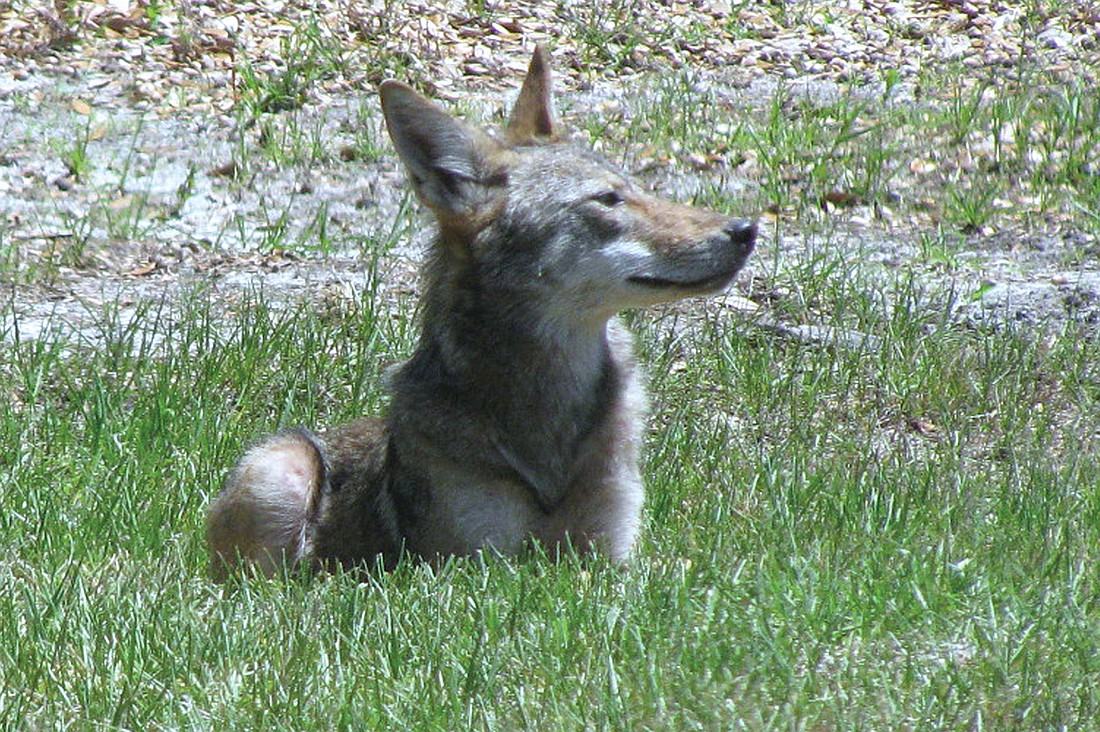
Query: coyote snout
(518, 418)
(687, 262)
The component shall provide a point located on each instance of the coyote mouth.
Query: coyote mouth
(703, 274)
(703, 284)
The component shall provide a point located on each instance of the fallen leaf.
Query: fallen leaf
(923, 427)
(143, 269)
(841, 199)
(227, 170)
(920, 166)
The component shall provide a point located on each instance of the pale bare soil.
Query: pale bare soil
(136, 166)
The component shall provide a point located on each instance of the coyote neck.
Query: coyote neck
(503, 341)
(516, 364)
(510, 386)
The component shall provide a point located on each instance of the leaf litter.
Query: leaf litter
(141, 139)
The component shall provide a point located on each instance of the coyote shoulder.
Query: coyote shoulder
(518, 418)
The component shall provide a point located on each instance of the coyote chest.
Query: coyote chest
(467, 483)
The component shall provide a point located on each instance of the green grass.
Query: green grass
(975, 154)
(810, 560)
(905, 537)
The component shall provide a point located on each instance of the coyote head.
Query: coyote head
(532, 217)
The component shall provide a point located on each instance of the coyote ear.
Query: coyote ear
(532, 117)
(448, 161)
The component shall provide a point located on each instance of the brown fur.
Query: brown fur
(519, 416)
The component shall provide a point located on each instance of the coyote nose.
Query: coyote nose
(742, 233)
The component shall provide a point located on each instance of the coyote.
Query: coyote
(518, 419)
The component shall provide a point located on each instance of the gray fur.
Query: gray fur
(519, 416)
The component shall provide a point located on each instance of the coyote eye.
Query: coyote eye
(608, 198)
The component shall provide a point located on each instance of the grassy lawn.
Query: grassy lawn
(904, 539)
(901, 536)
